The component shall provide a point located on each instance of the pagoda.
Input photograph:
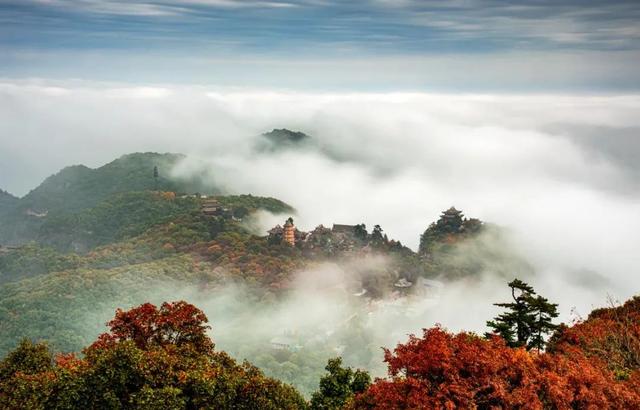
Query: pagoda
(451, 221)
(289, 232)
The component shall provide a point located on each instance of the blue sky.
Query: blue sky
(370, 44)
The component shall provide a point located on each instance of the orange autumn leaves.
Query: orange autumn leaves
(441, 370)
(176, 323)
(152, 358)
(160, 357)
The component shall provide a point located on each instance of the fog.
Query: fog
(325, 315)
(555, 171)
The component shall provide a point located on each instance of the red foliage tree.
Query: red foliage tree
(152, 358)
(177, 324)
(441, 370)
(611, 335)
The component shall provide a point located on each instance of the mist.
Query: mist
(554, 171)
(324, 314)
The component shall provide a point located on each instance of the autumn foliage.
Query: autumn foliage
(178, 324)
(592, 365)
(152, 358)
(161, 357)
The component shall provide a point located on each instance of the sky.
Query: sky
(364, 45)
(523, 114)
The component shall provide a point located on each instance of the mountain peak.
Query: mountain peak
(283, 135)
(6, 195)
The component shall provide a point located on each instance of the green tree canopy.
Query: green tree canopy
(527, 320)
(339, 386)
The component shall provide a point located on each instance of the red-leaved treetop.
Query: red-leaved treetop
(174, 323)
(152, 358)
(441, 370)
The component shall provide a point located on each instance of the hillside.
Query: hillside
(128, 243)
(237, 275)
(118, 217)
(76, 188)
(7, 201)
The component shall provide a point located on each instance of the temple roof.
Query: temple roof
(343, 228)
(451, 213)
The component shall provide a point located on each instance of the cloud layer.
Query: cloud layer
(555, 170)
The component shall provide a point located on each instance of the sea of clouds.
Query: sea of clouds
(559, 172)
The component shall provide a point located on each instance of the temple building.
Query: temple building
(289, 232)
(211, 207)
(451, 221)
(340, 228)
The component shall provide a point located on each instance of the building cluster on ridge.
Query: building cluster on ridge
(289, 234)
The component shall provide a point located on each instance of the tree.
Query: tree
(542, 325)
(339, 386)
(240, 212)
(28, 358)
(441, 370)
(360, 231)
(176, 323)
(377, 234)
(152, 358)
(527, 319)
(24, 376)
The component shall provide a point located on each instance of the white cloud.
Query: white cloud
(154, 8)
(396, 159)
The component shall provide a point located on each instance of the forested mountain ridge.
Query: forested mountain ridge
(145, 240)
(77, 188)
(8, 202)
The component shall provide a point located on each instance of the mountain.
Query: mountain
(77, 188)
(149, 246)
(7, 202)
(281, 139)
(284, 135)
(89, 241)
(6, 199)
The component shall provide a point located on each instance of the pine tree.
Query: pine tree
(527, 319)
(376, 234)
(545, 313)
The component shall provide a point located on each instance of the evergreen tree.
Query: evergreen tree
(545, 313)
(376, 234)
(360, 231)
(339, 386)
(527, 319)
